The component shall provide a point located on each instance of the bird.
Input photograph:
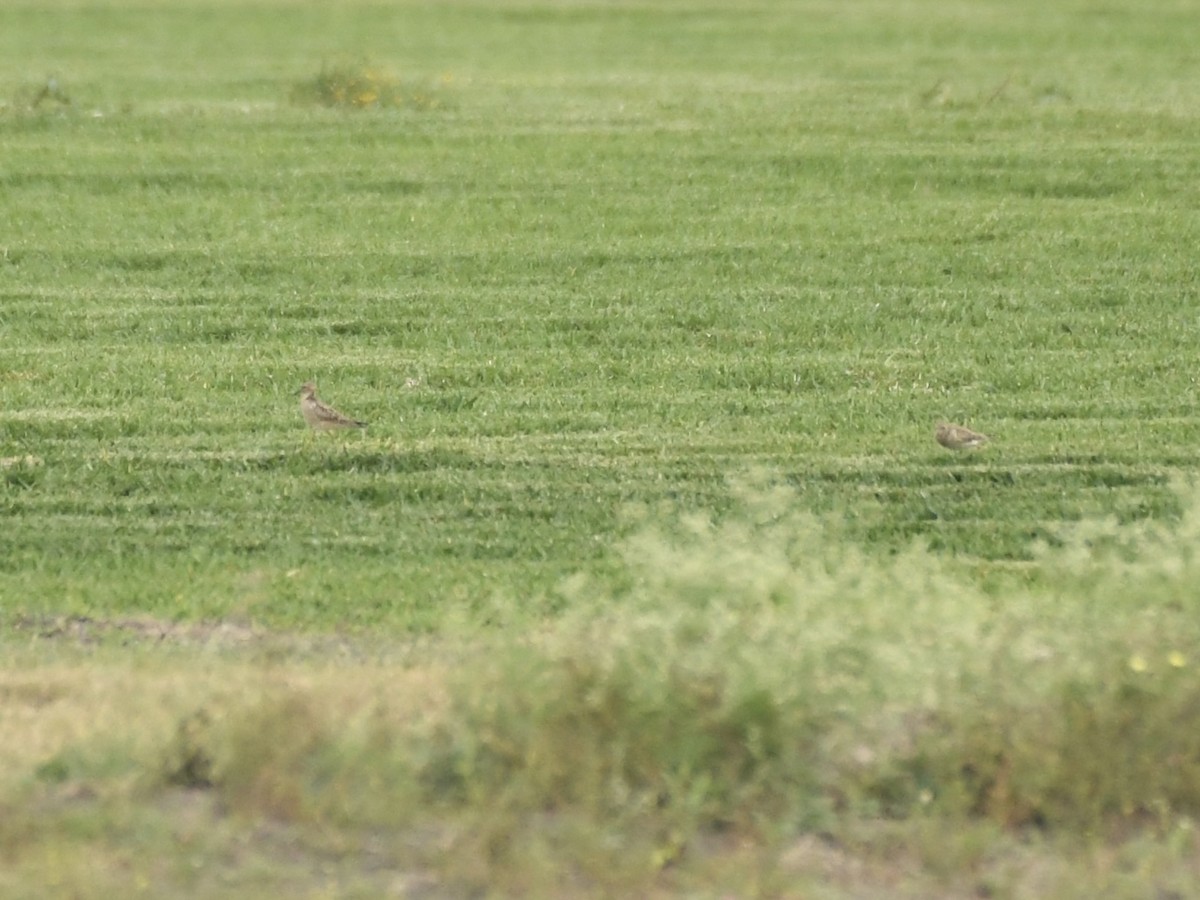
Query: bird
(957, 437)
(320, 416)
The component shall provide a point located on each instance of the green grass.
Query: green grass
(587, 268)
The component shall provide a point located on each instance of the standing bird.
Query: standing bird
(321, 416)
(956, 437)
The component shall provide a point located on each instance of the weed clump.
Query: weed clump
(762, 674)
(363, 87)
(188, 762)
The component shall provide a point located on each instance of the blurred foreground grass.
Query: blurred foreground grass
(762, 680)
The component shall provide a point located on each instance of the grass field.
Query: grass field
(647, 578)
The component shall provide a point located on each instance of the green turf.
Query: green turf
(633, 249)
(587, 268)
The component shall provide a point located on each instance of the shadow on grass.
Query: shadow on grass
(314, 459)
(391, 461)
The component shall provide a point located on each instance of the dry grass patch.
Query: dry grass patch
(83, 691)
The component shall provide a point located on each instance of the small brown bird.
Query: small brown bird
(320, 416)
(956, 437)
